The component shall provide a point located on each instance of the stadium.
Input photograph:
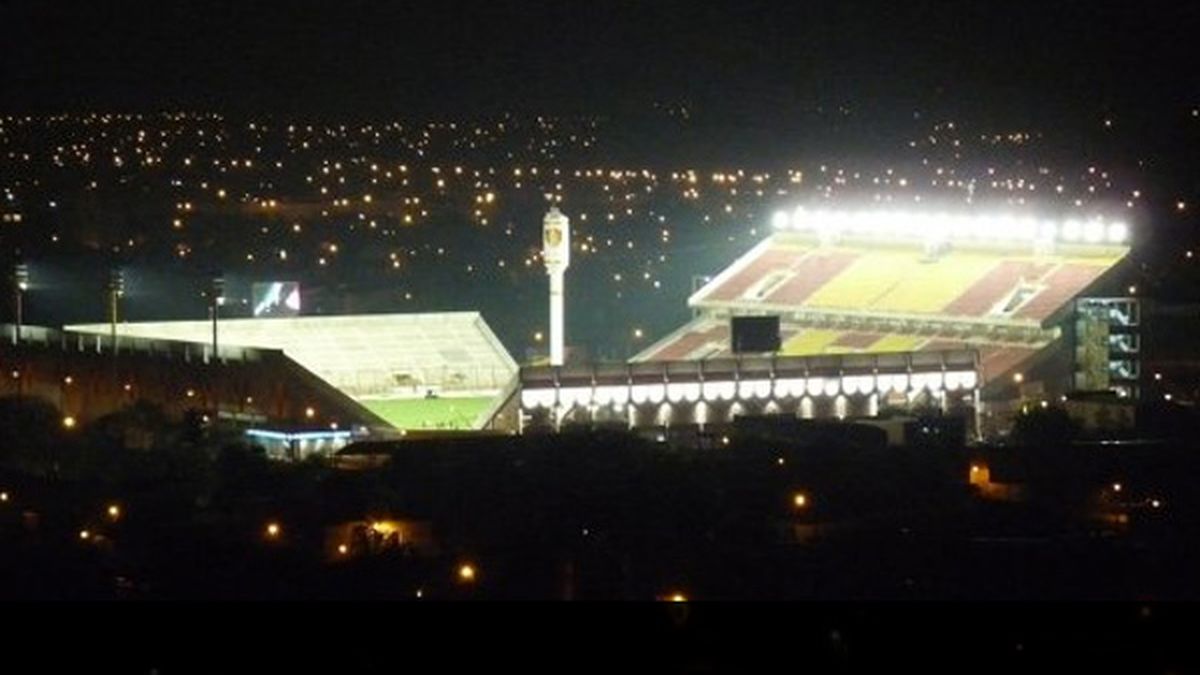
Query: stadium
(415, 371)
(876, 310)
(875, 314)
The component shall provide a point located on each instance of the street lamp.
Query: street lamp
(116, 290)
(20, 283)
(216, 298)
(466, 573)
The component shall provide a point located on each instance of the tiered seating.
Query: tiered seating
(771, 260)
(862, 283)
(897, 343)
(363, 355)
(926, 287)
(684, 345)
(811, 272)
(1062, 285)
(898, 280)
(998, 283)
(856, 341)
(809, 341)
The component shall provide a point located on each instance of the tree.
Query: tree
(1044, 427)
(31, 434)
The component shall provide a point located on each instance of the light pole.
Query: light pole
(216, 298)
(116, 290)
(20, 282)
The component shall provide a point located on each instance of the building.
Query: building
(876, 310)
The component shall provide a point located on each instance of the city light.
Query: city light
(273, 530)
(113, 511)
(466, 573)
(68, 422)
(800, 500)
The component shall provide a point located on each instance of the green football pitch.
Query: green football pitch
(429, 413)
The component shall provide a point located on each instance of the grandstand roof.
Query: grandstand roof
(363, 355)
(789, 272)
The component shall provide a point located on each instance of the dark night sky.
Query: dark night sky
(455, 56)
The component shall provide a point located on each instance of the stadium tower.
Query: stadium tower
(556, 251)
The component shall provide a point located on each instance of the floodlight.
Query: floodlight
(1027, 229)
(800, 220)
(941, 226)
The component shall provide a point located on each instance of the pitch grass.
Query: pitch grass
(429, 413)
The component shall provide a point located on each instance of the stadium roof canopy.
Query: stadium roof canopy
(363, 355)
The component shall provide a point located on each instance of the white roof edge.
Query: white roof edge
(738, 265)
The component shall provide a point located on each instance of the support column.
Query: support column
(556, 318)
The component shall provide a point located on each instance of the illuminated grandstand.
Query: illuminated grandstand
(877, 311)
(875, 282)
(437, 370)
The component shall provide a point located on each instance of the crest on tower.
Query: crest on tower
(556, 240)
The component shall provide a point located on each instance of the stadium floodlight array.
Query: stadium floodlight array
(940, 227)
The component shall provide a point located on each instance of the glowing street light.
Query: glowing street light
(68, 422)
(466, 573)
(273, 530)
(113, 511)
(800, 500)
